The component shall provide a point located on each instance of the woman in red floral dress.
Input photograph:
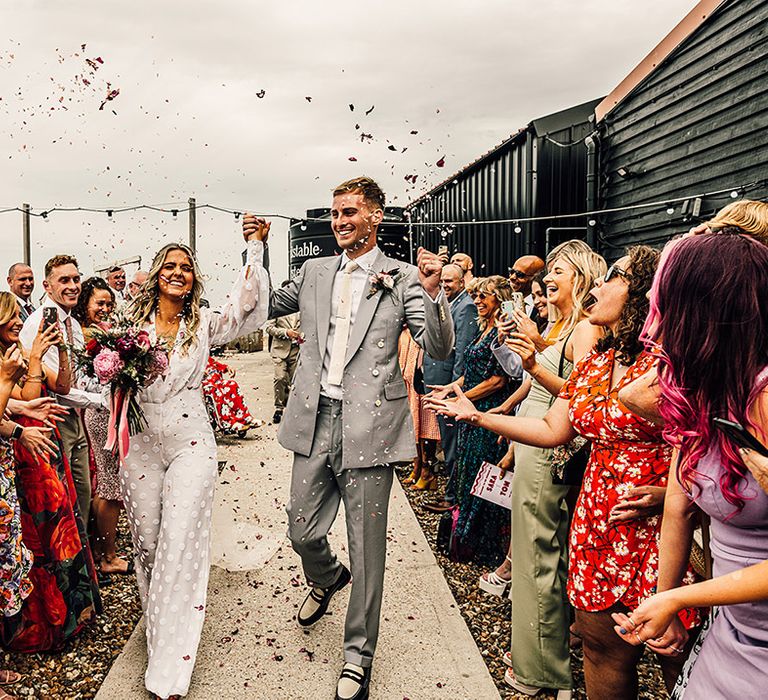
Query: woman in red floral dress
(613, 560)
(65, 595)
(220, 387)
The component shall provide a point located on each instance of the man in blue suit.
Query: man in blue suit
(438, 372)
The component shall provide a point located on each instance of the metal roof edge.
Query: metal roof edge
(684, 29)
(474, 164)
(540, 127)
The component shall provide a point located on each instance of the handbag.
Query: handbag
(569, 462)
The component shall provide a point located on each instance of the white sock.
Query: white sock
(347, 687)
(311, 606)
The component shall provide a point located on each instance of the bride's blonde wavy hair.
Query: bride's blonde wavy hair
(144, 304)
(748, 215)
(588, 266)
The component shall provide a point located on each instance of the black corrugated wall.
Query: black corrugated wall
(697, 124)
(527, 175)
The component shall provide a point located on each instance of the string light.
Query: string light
(734, 193)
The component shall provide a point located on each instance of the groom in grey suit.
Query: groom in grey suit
(347, 419)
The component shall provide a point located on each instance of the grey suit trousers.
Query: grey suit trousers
(318, 484)
(75, 445)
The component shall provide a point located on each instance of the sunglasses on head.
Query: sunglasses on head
(615, 271)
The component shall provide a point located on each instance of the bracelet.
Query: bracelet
(35, 377)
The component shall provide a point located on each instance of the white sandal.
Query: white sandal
(492, 583)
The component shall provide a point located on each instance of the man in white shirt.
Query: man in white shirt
(347, 419)
(62, 286)
(21, 282)
(116, 280)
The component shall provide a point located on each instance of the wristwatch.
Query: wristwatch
(17, 431)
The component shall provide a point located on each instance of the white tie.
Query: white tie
(341, 334)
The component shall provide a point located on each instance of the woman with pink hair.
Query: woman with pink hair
(711, 288)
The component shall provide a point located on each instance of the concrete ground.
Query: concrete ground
(251, 645)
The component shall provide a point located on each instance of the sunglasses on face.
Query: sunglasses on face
(518, 275)
(615, 271)
(481, 295)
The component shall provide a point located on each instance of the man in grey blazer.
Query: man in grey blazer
(347, 419)
(441, 372)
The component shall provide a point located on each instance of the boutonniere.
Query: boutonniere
(383, 281)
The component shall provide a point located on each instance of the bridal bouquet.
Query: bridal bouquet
(124, 357)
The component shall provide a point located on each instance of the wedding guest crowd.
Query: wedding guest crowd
(602, 509)
(590, 393)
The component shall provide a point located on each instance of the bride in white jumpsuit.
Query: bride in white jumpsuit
(170, 472)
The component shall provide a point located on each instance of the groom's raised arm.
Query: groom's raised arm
(285, 300)
(427, 313)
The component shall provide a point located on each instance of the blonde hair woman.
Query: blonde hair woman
(538, 563)
(482, 528)
(749, 216)
(168, 477)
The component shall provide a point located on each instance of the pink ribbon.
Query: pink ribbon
(118, 436)
(124, 435)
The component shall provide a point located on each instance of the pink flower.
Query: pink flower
(107, 365)
(143, 340)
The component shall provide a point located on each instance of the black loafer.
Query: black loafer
(323, 598)
(362, 679)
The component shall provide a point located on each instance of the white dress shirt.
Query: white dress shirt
(76, 396)
(359, 285)
(528, 305)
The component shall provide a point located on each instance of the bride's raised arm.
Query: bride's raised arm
(247, 305)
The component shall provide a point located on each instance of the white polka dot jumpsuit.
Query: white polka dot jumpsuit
(168, 481)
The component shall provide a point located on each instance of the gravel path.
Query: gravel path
(488, 616)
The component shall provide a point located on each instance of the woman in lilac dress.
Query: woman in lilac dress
(724, 373)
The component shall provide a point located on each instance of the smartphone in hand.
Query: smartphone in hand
(738, 434)
(50, 317)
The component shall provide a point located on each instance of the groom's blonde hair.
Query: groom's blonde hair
(365, 186)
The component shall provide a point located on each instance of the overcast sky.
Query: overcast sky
(247, 105)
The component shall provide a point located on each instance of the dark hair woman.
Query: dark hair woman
(94, 307)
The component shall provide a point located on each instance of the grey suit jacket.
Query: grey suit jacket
(464, 315)
(377, 422)
(280, 345)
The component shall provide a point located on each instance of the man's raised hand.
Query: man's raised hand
(255, 227)
(430, 268)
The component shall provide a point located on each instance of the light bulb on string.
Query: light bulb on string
(109, 214)
(303, 226)
(237, 216)
(44, 216)
(175, 212)
(734, 194)
(592, 222)
(670, 211)
(518, 228)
